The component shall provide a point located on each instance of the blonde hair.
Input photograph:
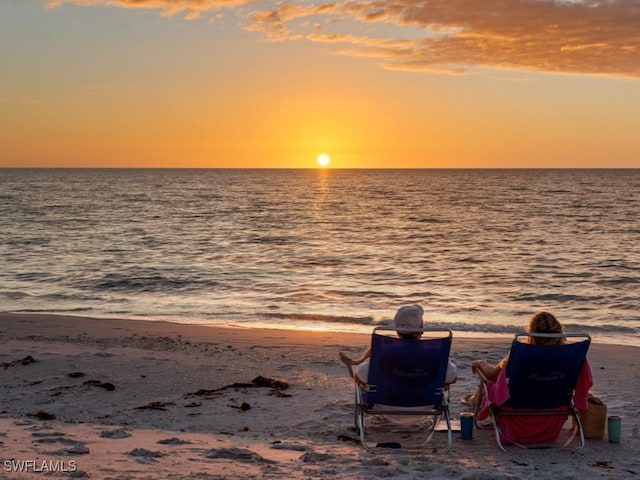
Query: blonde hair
(544, 322)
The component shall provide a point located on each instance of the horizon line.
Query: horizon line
(320, 168)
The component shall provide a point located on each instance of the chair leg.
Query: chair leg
(359, 417)
(447, 417)
(481, 392)
(581, 430)
(496, 429)
(361, 430)
(356, 408)
(576, 429)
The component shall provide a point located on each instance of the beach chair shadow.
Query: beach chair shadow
(540, 381)
(406, 378)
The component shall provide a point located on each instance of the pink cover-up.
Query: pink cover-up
(539, 429)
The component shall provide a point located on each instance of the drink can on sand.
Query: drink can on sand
(614, 427)
(466, 426)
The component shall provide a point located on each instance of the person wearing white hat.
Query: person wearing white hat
(407, 317)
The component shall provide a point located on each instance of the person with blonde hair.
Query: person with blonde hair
(539, 429)
(542, 322)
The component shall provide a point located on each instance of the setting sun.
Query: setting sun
(323, 159)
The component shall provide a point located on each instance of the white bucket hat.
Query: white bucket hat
(409, 317)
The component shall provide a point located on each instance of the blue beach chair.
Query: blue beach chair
(406, 377)
(541, 382)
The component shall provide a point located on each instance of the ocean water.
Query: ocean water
(341, 250)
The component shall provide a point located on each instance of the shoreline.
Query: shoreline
(362, 331)
(175, 382)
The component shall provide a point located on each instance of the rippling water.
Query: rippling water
(481, 250)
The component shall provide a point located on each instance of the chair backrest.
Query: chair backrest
(544, 376)
(408, 372)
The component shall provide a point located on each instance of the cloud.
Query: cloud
(587, 37)
(590, 37)
(191, 9)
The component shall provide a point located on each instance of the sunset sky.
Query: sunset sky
(240, 83)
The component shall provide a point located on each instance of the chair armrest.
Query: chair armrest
(483, 378)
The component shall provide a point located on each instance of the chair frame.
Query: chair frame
(495, 410)
(437, 410)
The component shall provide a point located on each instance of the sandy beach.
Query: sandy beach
(125, 399)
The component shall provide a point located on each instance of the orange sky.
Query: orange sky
(214, 83)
